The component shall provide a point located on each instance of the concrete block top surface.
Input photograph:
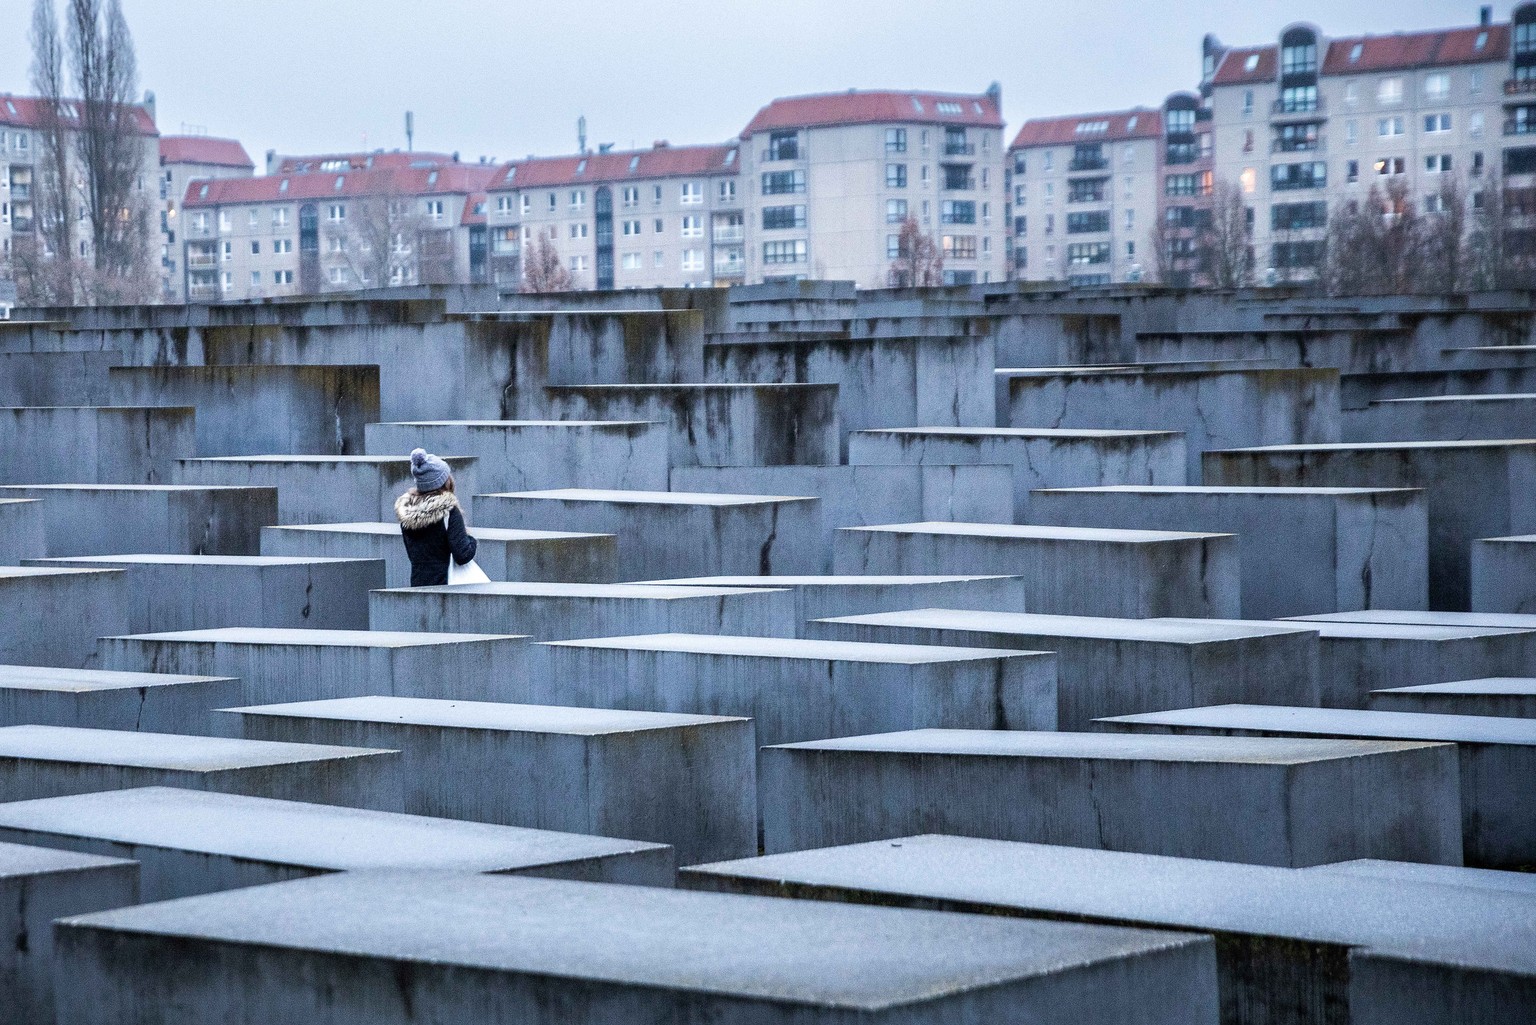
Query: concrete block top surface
(1389, 446)
(1406, 617)
(1521, 538)
(818, 581)
(555, 589)
(493, 716)
(176, 488)
(1345, 722)
(318, 836)
(1331, 630)
(785, 647)
(789, 951)
(1499, 397)
(649, 497)
(19, 501)
(1160, 631)
(318, 460)
(19, 861)
(479, 533)
(1149, 889)
(1514, 686)
(256, 635)
(1063, 434)
(1197, 489)
(512, 424)
(1440, 875)
(84, 681)
(159, 750)
(28, 572)
(1120, 747)
(250, 561)
(1029, 532)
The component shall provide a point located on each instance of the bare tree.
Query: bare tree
(1444, 266)
(380, 240)
(1160, 246)
(45, 259)
(1376, 247)
(542, 269)
(1226, 242)
(919, 262)
(110, 146)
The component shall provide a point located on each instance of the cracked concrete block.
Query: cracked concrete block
(1503, 574)
(1442, 418)
(95, 444)
(105, 700)
(325, 489)
(53, 616)
(675, 533)
(127, 519)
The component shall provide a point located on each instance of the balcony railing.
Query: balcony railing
(21, 225)
(1519, 86)
(731, 233)
(1297, 110)
(1088, 164)
(196, 291)
(730, 268)
(202, 260)
(21, 190)
(957, 184)
(1298, 146)
(959, 149)
(1513, 127)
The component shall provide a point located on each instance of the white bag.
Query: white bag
(469, 573)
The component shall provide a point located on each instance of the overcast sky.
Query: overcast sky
(509, 79)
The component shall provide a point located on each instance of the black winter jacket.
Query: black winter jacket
(427, 543)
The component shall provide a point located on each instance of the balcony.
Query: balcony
(21, 190)
(202, 291)
(1318, 145)
(1087, 164)
(21, 225)
(730, 268)
(959, 149)
(731, 233)
(201, 261)
(1519, 86)
(1297, 112)
(1514, 127)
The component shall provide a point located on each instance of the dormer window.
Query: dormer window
(634, 163)
(1355, 52)
(1482, 41)
(949, 108)
(581, 166)
(341, 180)
(1252, 63)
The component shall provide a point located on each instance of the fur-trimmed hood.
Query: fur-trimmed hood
(417, 511)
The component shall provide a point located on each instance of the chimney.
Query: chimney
(149, 103)
(660, 144)
(1485, 16)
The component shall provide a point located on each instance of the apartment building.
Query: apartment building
(828, 181)
(1084, 196)
(1310, 122)
(182, 159)
(22, 121)
(669, 216)
(332, 227)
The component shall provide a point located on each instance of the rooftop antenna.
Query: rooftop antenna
(410, 130)
(581, 134)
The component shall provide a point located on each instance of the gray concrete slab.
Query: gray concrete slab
(1474, 489)
(53, 616)
(820, 597)
(1437, 875)
(1500, 696)
(1503, 574)
(21, 530)
(556, 611)
(674, 533)
(55, 761)
(797, 689)
(195, 592)
(304, 665)
(1497, 755)
(188, 842)
(122, 519)
(502, 554)
(1419, 617)
(104, 700)
(1126, 664)
(95, 444)
(1442, 418)
(719, 424)
(546, 951)
(1283, 937)
(1302, 801)
(533, 455)
(247, 410)
(683, 780)
(1300, 549)
(1357, 658)
(1478, 980)
(36, 887)
(1068, 571)
(1040, 458)
(325, 489)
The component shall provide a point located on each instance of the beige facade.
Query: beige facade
(829, 180)
(663, 217)
(183, 159)
(1084, 196)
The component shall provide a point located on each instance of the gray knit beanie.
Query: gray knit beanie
(430, 472)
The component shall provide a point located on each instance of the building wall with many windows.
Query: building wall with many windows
(184, 158)
(829, 180)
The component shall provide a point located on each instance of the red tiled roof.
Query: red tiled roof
(454, 179)
(474, 209)
(27, 112)
(200, 149)
(658, 162)
(1418, 50)
(1120, 126)
(863, 108)
(1234, 67)
(362, 161)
